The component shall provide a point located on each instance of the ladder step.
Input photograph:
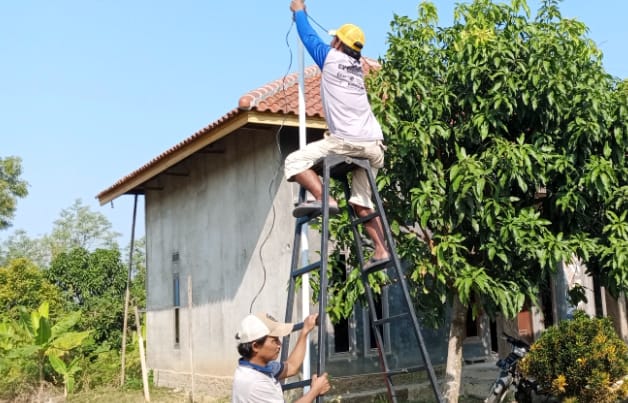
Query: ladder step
(306, 269)
(296, 384)
(339, 165)
(366, 218)
(407, 370)
(376, 267)
(390, 319)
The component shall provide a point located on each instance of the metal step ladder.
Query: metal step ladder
(337, 167)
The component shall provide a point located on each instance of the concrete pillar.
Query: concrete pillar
(583, 279)
(616, 310)
(538, 322)
(560, 299)
(508, 326)
(569, 275)
(484, 333)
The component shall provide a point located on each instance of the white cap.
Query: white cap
(256, 326)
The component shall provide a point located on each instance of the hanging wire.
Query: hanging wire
(279, 165)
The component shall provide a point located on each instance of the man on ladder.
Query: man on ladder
(354, 138)
(353, 129)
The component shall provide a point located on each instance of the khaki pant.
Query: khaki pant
(303, 159)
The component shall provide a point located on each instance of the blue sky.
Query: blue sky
(92, 90)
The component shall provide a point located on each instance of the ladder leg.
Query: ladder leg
(379, 340)
(322, 300)
(296, 249)
(378, 324)
(406, 294)
(378, 330)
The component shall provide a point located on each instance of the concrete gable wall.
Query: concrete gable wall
(216, 218)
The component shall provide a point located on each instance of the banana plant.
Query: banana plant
(66, 370)
(35, 337)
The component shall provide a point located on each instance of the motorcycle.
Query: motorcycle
(510, 384)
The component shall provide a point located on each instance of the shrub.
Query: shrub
(18, 377)
(102, 367)
(580, 360)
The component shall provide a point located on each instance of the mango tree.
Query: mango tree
(506, 155)
(93, 283)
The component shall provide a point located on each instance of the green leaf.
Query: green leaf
(394, 228)
(66, 323)
(44, 309)
(455, 185)
(43, 331)
(484, 131)
(69, 341)
(57, 364)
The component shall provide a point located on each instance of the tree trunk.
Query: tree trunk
(40, 365)
(454, 351)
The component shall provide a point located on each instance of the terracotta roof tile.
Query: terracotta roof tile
(279, 96)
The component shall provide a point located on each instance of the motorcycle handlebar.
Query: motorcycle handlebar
(515, 342)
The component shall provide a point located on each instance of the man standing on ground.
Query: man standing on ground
(353, 129)
(257, 376)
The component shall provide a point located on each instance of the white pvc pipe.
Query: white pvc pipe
(305, 288)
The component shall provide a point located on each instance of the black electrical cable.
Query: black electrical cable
(277, 170)
(279, 164)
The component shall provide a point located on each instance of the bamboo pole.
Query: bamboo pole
(127, 296)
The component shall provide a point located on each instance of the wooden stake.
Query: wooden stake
(140, 341)
(190, 332)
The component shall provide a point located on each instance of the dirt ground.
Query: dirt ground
(162, 395)
(106, 395)
(477, 379)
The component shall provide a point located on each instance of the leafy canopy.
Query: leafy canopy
(12, 187)
(23, 285)
(93, 283)
(506, 155)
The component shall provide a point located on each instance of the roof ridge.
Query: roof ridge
(253, 98)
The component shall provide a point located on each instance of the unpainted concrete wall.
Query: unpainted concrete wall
(229, 223)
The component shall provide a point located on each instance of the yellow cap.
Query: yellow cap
(351, 35)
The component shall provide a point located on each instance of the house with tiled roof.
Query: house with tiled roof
(219, 234)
